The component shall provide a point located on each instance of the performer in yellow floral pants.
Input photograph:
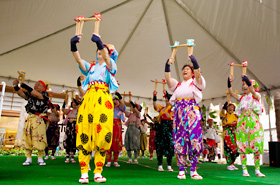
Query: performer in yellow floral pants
(95, 126)
(95, 114)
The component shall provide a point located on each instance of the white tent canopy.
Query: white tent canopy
(35, 37)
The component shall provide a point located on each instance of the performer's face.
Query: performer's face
(187, 73)
(230, 109)
(245, 88)
(39, 87)
(116, 102)
(210, 123)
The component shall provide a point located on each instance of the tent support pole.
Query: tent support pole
(170, 38)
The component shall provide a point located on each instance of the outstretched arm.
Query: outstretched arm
(155, 101)
(196, 70)
(247, 81)
(167, 72)
(76, 39)
(233, 94)
(105, 55)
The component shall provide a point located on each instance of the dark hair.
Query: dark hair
(105, 46)
(187, 65)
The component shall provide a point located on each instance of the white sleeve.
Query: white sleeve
(175, 82)
(203, 84)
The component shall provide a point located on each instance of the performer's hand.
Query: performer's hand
(228, 83)
(98, 41)
(16, 82)
(133, 105)
(155, 95)
(79, 81)
(167, 65)
(194, 61)
(246, 79)
(118, 95)
(225, 105)
(73, 43)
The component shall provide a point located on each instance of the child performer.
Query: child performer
(95, 116)
(249, 133)
(119, 108)
(34, 129)
(229, 121)
(187, 133)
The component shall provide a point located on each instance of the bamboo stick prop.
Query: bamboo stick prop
(174, 51)
(21, 75)
(129, 93)
(164, 84)
(79, 24)
(190, 43)
(244, 67)
(96, 23)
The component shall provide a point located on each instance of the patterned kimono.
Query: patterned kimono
(187, 133)
(229, 121)
(249, 133)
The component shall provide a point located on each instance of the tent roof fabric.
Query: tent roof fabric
(35, 37)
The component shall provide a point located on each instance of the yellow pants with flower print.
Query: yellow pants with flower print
(95, 126)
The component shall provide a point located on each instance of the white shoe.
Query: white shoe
(195, 176)
(151, 159)
(234, 167)
(117, 165)
(47, 157)
(129, 161)
(84, 180)
(259, 174)
(67, 160)
(245, 173)
(52, 158)
(73, 160)
(26, 163)
(230, 167)
(135, 161)
(160, 169)
(169, 169)
(100, 179)
(183, 176)
(108, 165)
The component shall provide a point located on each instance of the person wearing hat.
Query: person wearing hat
(69, 140)
(249, 132)
(229, 121)
(95, 116)
(119, 108)
(34, 129)
(132, 135)
(53, 131)
(164, 138)
(187, 133)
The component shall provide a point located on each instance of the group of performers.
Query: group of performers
(95, 123)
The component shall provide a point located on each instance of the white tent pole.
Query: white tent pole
(268, 97)
(2, 97)
(170, 39)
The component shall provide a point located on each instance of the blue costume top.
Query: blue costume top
(118, 112)
(96, 72)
